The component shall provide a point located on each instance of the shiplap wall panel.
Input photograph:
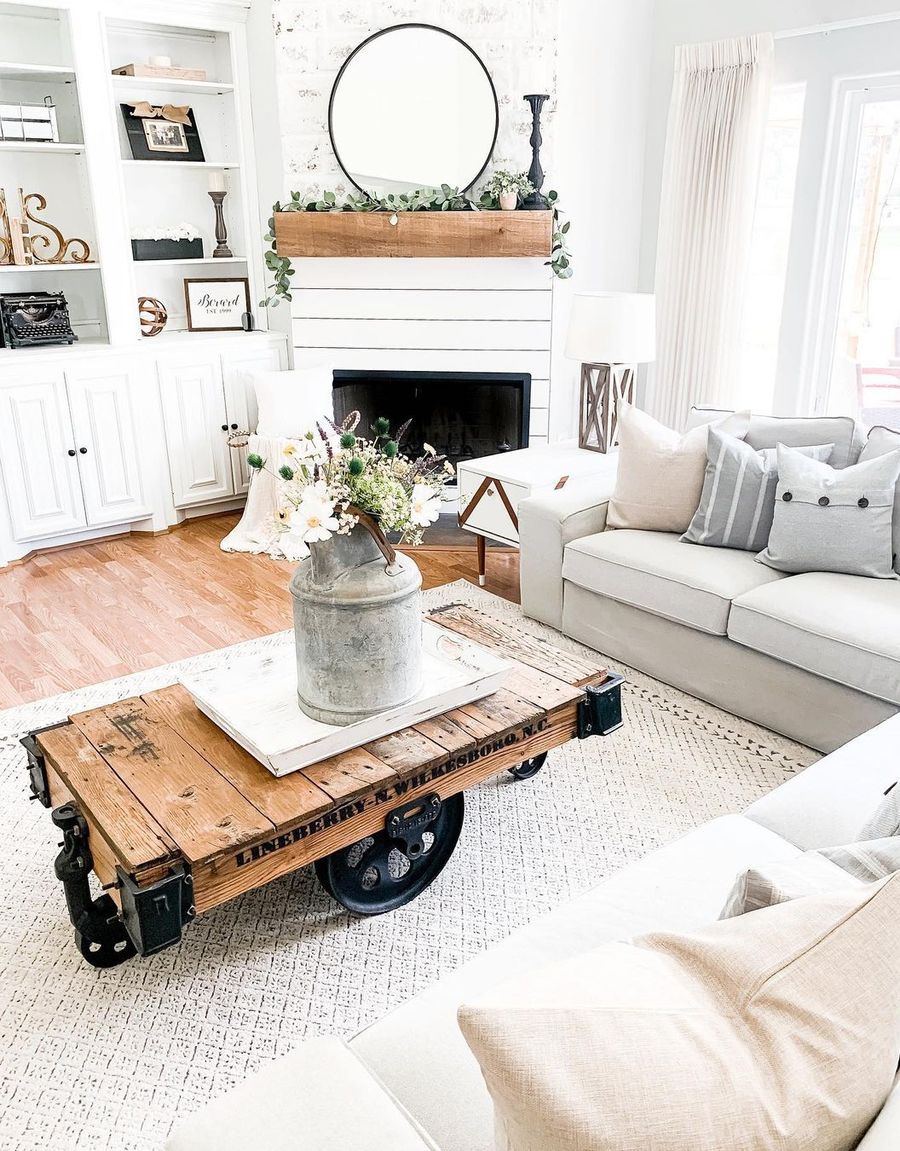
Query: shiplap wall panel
(427, 360)
(491, 315)
(447, 274)
(422, 304)
(458, 335)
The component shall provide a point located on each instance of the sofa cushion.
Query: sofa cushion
(676, 888)
(795, 432)
(881, 442)
(655, 571)
(843, 627)
(884, 1134)
(320, 1097)
(740, 1035)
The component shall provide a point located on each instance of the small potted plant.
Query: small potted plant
(508, 188)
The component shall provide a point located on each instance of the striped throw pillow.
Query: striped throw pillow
(738, 501)
(820, 872)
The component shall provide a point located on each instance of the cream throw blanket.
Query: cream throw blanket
(257, 531)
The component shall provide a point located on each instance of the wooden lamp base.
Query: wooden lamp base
(602, 387)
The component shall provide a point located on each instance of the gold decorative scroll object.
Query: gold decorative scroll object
(55, 248)
(6, 252)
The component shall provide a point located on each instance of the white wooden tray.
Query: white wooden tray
(255, 702)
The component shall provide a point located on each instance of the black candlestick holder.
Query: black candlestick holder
(222, 250)
(535, 201)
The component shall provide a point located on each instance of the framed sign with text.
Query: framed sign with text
(217, 305)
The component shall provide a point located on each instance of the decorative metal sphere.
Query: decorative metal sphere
(153, 315)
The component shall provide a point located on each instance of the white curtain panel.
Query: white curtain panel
(717, 120)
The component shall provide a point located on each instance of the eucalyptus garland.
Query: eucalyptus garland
(443, 199)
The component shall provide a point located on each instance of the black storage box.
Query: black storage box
(167, 249)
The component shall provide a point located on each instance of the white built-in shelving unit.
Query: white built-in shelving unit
(94, 187)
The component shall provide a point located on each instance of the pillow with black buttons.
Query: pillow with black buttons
(829, 520)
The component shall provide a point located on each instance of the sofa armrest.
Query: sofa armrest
(546, 524)
(319, 1097)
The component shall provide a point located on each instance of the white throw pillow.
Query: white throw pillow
(777, 1031)
(660, 473)
(881, 442)
(290, 402)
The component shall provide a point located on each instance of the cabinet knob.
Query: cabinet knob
(234, 427)
(83, 451)
(71, 451)
(224, 427)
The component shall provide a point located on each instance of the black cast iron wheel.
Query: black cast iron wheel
(110, 953)
(528, 768)
(376, 875)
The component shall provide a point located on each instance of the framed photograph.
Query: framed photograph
(152, 135)
(165, 137)
(217, 305)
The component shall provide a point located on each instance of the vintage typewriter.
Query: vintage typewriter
(34, 320)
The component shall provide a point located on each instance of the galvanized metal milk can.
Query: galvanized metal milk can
(358, 627)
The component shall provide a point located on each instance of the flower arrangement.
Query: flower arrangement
(332, 476)
(502, 182)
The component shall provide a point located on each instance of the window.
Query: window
(764, 298)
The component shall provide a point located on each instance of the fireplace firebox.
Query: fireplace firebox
(463, 415)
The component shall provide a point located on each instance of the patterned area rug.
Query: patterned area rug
(109, 1059)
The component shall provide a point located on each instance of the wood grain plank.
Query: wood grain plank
(506, 637)
(349, 775)
(202, 812)
(445, 732)
(279, 800)
(407, 751)
(225, 877)
(414, 234)
(111, 809)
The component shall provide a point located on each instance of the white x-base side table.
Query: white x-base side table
(491, 489)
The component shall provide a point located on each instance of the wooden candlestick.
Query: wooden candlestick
(222, 250)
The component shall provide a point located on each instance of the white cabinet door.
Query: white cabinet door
(193, 402)
(38, 456)
(240, 402)
(105, 438)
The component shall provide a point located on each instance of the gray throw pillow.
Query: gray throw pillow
(738, 500)
(829, 520)
(881, 441)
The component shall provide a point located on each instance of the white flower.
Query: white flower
(314, 520)
(428, 450)
(425, 505)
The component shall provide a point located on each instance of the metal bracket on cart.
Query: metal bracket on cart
(408, 824)
(600, 712)
(37, 767)
(150, 919)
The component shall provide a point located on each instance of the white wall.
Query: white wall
(679, 22)
(603, 64)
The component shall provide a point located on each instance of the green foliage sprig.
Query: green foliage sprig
(442, 199)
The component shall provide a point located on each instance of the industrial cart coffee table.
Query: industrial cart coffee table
(174, 818)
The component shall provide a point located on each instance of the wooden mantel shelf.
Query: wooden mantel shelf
(466, 234)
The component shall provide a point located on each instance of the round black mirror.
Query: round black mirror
(412, 107)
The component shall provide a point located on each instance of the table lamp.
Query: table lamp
(610, 333)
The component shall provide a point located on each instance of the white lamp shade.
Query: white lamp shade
(612, 328)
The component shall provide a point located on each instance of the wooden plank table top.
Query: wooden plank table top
(157, 781)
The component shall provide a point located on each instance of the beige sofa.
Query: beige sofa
(410, 1083)
(815, 656)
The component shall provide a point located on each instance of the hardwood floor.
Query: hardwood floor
(80, 615)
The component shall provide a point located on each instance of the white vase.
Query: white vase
(509, 201)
